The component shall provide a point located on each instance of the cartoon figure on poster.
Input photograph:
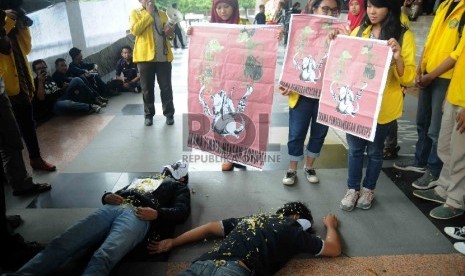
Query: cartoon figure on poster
(225, 115)
(347, 102)
(306, 64)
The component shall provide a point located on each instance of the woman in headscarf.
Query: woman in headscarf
(356, 13)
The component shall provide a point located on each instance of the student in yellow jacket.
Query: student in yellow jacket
(382, 21)
(442, 48)
(19, 85)
(450, 190)
(152, 53)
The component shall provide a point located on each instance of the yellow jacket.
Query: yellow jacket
(393, 100)
(456, 93)
(443, 38)
(142, 27)
(7, 62)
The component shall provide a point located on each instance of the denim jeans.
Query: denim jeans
(357, 147)
(118, 228)
(85, 93)
(209, 267)
(429, 114)
(67, 106)
(305, 111)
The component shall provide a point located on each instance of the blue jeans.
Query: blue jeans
(209, 267)
(305, 111)
(357, 147)
(118, 228)
(67, 106)
(85, 93)
(429, 115)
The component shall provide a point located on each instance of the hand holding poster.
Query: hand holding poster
(305, 59)
(353, 85)
(231, 86)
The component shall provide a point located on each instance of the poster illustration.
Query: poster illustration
(231, 86)
(353, 85)
(306, 54)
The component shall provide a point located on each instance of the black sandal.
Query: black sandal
(35, 189)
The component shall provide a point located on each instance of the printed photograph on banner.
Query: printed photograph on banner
(353, 85)
(306, 54)
(231, 87)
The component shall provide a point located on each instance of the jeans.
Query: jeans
(218, 268)
(118, 228)
(24, 117)
(162, 71)
(305, 111)
(429, 114)
(357, 147)
(67, 106)
(85, 93)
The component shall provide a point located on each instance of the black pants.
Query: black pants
(11, 148)
(177, 33)
(162, 72)
(23, 112)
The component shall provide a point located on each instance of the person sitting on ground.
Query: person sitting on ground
(258, 244)
(49, 99)
(122, 223)
(127, 74)
(77, 87)
(79, 68)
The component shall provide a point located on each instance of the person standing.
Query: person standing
(442, 48)
(260, 17)
(18, 80)
(153, 57)
(177, 32)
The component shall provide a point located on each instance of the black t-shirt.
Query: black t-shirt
(263, 242)
(129, 70)
(60, 79)
(43, 109)
(260, 18)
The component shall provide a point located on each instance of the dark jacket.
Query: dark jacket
(77, 69)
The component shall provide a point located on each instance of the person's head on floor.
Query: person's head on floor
(225, 11)
(178, 170)
(75, 54)
(126, 52)
(61, 66)
(39, 66)
(327, 7)
(296, 210)
(385, 13)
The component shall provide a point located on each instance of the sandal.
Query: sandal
(390, 154)
(35, 189)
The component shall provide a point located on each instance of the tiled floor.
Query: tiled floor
(102, 152)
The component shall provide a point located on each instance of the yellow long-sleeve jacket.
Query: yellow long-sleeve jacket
(456, 92)
(393, 99)
(8, 65)
(142, 27)
(443, 38)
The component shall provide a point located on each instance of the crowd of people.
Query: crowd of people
(256, 244)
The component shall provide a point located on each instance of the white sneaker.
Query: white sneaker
(365, 199)
(311, 175)
(95, 108)
(349, 200)
(460, 247)
(456, 232)
(289, 178)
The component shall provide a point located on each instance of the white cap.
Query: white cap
(178, 170)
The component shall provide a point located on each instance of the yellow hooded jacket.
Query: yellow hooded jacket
(7, 62)
(456, 92)
(142, 27)
(443, 38)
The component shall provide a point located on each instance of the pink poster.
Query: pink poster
(305, 59)
(231, 86)
(353, 85)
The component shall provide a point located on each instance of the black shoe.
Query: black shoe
(16, 252)
(102, 99)
(148, 121)
(169, 121)
(100, 102)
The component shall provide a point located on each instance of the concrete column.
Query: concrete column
(76, 27)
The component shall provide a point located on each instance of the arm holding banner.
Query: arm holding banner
(407, 55)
